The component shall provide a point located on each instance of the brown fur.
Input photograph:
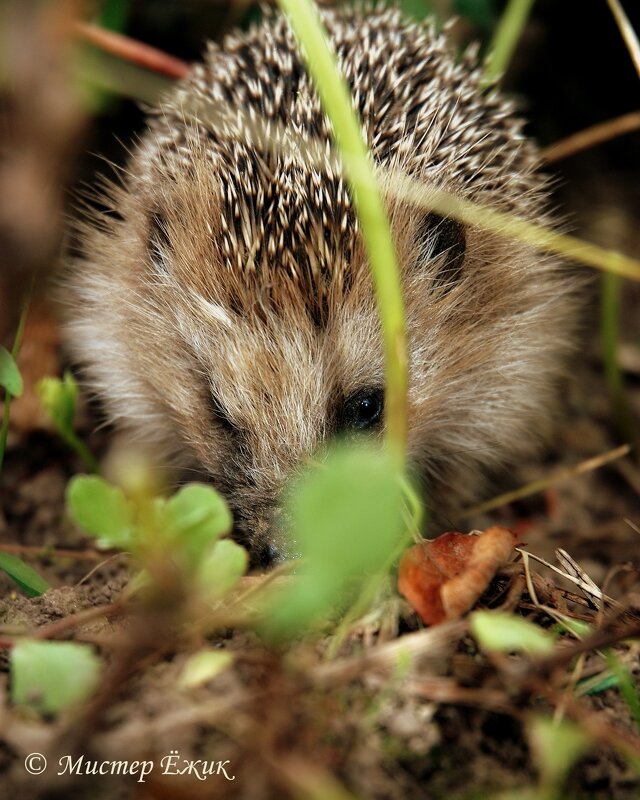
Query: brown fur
(234, 270)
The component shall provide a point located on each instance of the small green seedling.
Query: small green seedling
(11, 382)
(615, 676)
(50, 677)
(10, 377)
(597, 684)
(221, 569)
(576, 627)
(58, 398)
(183, 530)
(102, 510)
(506, 633)
(27, 578)
(556, 746)
(203, 667)
(346, 518)
(628, 689)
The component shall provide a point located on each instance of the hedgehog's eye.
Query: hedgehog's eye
(362, 410)
(444, 238)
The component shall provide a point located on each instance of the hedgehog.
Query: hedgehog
(222, 307)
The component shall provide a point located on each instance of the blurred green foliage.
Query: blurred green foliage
(10, 377)
(507, 633)
(182, 531)
(58, 398)
(346, 523)
(49, 677)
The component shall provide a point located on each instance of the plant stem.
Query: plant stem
(609, 323)
(75, 443)
(4, 430)
(336, 100)
(505, 39)
(611, 287)
(626, 31)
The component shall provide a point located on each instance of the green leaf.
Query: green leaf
(307, 26)
(628, 688)
(346, 514)
(27, 578)
(203, 667)
(197, 516)
(221, 569)
(10, 377)
(347, 518)
(58, 398)
(506, 633)
(597, 684)
(555, 746)
(102, 510)
(574, 626)
(49, 677)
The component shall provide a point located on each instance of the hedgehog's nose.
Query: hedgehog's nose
(270, 555)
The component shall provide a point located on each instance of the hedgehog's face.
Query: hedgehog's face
(271, 392)
(242, 365)
(280, 347)
(280, 371)
(270, 379)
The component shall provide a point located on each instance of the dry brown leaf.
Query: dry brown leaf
(443, 578)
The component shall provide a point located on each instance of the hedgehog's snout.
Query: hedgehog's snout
(269, 555)
(261, 524)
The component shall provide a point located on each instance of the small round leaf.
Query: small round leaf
(100, 509)
(52, 676)
(10, 377)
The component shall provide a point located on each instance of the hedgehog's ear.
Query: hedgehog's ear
(158, 242)
(442, 241)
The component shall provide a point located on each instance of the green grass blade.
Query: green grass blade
(32, 584)
(4, 428)
(506, 38)
(336, 100)
(627, 687)
(610, 298)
